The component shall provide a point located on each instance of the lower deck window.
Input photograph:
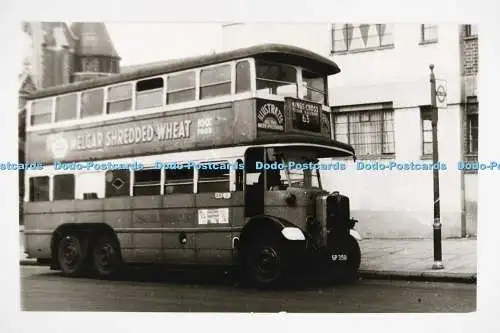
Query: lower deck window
(39, 188)
(213, 178)
(117, 183)
(147, 182)
(179, 180)
(64, 187)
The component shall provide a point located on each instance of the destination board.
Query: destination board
(305, 114)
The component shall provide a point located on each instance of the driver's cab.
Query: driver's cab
(279, 180)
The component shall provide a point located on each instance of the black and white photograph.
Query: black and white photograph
(248, 166)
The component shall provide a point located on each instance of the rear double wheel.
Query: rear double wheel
(82, 254)
(72, 254)
(106, 256)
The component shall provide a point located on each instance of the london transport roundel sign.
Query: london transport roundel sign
(441, 93)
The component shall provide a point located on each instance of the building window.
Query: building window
(472, 129)
(215, 81)
(119, 98)
(149, 93)
(147, 182)
(64, 187)
(90, 65)
(39, 188)
(41, 112)
(242, 76)
(181, 88)
(354, 37)
(179, 180)
(428, 33)
(370, 132)
(471, 30)
(117, 183)
(215, 178)
(92, 103)
(66, 107)
(426, 127)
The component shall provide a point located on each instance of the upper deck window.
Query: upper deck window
(66, 107)
(181, 88)
(149, 93)
(242, 76)
(119, 98)
(92, 103)
(314, 87)
(277, 79)
(215, 81)
(41, 112)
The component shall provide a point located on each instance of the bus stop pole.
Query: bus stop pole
(438, 263)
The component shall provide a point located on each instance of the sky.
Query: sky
(138, 43)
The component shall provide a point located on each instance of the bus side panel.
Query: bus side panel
(244, 119)
(117, 214)
(40, 221)
(178, 236)
(214, 240)
(38, 245)
(146, 237)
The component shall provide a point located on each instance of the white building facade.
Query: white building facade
(380, 105)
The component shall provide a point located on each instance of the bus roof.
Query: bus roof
(272, 52)
(324, 144)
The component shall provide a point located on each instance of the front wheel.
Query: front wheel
(264, 264)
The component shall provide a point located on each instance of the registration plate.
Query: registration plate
(339, 257)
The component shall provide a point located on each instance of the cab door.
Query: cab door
(254, 182)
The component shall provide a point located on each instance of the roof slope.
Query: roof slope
(94, 39)
(270, 52)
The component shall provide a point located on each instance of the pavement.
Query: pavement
(401, 259)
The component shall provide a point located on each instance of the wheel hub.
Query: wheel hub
(105, 255)
(70, 253)
(267, 263)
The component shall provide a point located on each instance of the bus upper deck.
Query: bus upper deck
(202, 102)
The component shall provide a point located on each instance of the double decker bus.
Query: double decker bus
(209, 160)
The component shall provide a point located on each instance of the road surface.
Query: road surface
(45, 290)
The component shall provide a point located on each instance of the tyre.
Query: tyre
(106, 256)
(345, 269)
(264, 263)
(72, 254)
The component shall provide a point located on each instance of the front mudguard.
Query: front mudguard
(355, 235)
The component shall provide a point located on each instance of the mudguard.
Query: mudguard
(279, 224)
(355, 234)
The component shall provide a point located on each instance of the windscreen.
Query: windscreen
(298, 168)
